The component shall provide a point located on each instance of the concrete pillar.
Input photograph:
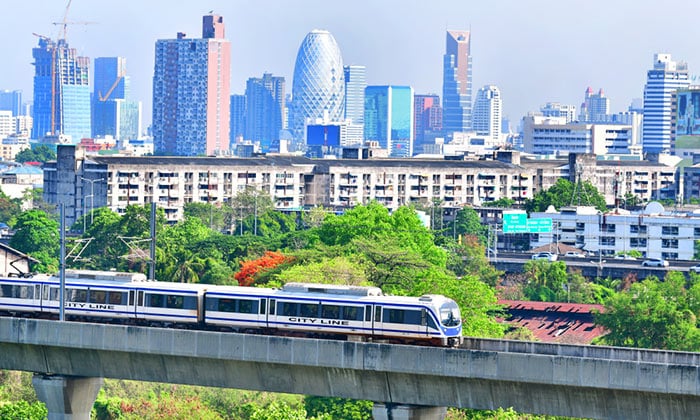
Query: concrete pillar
(67, 397)
(388, 411)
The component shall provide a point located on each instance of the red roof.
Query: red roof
(556, 322)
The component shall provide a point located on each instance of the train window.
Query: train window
(288, 308)
(352, 313)
(98, 296)
(330, 311)
(117, 298)
(131, 298)
(6, 290)
(190, 302)
(262, 306)
(46, 292)
(141, 293)
(272, 306)
(54, 294)
(309, 309)
(154, 300)
(247, 306)
(377, 314)
(224, 305)
(431, 322)
(76, 295)
(175, 302)
(368, 313)
(400, 316)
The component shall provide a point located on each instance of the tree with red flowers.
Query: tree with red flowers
(251, 269)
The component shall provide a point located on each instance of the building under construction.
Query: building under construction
(61, 90)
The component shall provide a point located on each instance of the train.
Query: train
(355, 313)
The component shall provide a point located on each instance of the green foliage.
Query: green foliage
(37, 234)
(10, 209)
(546, 281)
(211, 215)
(37, 153)
(653, 314)
(22, 410)
(565, 193)
(338, 408)
(336, 270)
(469, 223)
(499, 414)
(503, 202)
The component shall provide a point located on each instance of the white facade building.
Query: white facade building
(487, 114)
(552, 135)
(663, 81)
(654, 232)
(555, 109)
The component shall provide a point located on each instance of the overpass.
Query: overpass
(70, 359)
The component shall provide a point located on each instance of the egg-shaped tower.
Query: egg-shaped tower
(318, 89)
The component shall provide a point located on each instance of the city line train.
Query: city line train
(298, 309)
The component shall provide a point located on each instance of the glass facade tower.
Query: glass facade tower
(113, 113)
(389, 118)
(318, 88)
(457, 83)
(355, 84)
(61, 91)
(265, 103)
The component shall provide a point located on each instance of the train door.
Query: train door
(367, 326)
(377, 321)
(270, 315)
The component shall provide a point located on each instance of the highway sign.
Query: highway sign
(515, 222)
(542, 225)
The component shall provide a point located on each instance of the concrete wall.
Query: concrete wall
(552, 379)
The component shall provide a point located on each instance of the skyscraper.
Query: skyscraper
(318, 89)
(355, 84)
(663, 81)
(389, 118)
(265, 103)
(238, 113)
(61, 91)
(11, 100)
(191, 85)
(595, 107)
(113, 113)
(427, 119)
(457, 83)
(487, 115)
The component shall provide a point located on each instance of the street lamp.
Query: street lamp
(92, 197)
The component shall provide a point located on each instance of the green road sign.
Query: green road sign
(543, 225)
(515, 222)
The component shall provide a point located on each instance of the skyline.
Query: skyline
(548, 53)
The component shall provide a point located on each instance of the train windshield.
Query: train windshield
(449, 314)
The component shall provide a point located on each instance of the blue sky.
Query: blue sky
(535, 51)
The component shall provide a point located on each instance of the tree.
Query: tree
(469, 223)
(546, 281)
(9, 209)
(336, 270)
(250, 202)
(653, 314)
(504, 202)
(253, 268)
(210, 214)
(564, 193)
(37, 234)
(37, 153)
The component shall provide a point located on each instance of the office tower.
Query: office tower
(11, 100)
(427, 119)
(238, 112)
(486, 118)
(7, 124)
(113, 112)
(595, 107)
(355, 84)
(389, 118)
(457, 83)
(265, 103)
(318, 88)
(555, 109)
(191, 85)
(663, 80)
(61, 91)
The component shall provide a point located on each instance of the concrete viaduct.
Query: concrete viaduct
(406, 382)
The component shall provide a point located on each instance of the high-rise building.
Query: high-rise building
(113, 112)
(355, 84)
(318, 89)
(427, 119)
(389, 118)
(457, 83)
(663, 81)
(191, 92)
(61, 91)
(486, 119)
(555, 109)
(238, 113)
(11, 100)
(595, 107)
(265, 103)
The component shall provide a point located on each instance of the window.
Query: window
(116, 298)
(155, 301)
(98, 296)
(288, 308)
(330, 311)
(308, 309)
(18, 292)
(640, 229)
(606, 241)
(669, 230)
(76, 295)
(669, 243)
(400, 316)
(638, 242)
(606, 228)
(352, 313)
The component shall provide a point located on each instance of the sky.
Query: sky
(535, 51)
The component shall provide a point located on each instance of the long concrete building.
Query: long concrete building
(84, 182)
